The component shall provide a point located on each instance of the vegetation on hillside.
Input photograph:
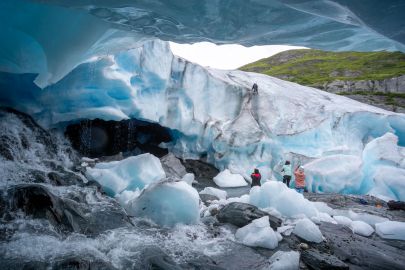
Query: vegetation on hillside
(316, 67)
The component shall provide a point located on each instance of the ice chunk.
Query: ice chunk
(285, 200)
(367, 218)
(258, 234)
(221, 194)
(324, 217)
(391, 230)
(284, 260)
(128, 174)
(286, 230)
(343, 220)
(228, 179)
(361, 228)
(167, 203)
(188, 178)
(308, 231)
(127, 196)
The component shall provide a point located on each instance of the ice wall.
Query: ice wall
(213, 113)
(52, 37)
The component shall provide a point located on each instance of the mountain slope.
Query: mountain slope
(376, 78)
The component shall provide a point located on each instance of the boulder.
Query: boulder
(241, 214)
(81, 263)
(153, 258)
(321, 261)
(396, 205)
(67, 214)
(360, 251)
(207, 198)
(172, 166)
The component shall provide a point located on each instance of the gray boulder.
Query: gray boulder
(241, 214)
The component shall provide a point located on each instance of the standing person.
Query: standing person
(299, 179)
(255, 88)
(256, 177)
(287, 173)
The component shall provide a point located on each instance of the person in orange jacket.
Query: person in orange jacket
(299, 179)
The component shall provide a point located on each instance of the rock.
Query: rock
(13, 264)
(303, 246)
(64, 213)
(321, 261)
(172, 166)
(153, 258)
(64, 178)
(396, 205)
(203, 172)
(360, 251)
(202, 263)
(241, 214)
(80, 263)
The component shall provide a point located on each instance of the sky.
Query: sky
(229, 56)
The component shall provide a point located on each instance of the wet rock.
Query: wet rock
(153, 258)
(172, 166)
(207, 198)
(203, 172)
(359, 251)
(396, 205)
(241, 214)
(322, 261)
(202, 263)
(80, 263)
(65, 213)
(13, 264)
(64, 178)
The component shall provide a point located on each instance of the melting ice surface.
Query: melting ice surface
(347, 146)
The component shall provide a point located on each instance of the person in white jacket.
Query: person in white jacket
(287, 172)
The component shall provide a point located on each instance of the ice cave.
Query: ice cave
(117, 154)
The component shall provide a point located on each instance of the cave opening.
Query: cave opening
(97, 138)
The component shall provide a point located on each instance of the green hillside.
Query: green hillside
(315, 67)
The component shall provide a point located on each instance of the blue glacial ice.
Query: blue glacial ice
(167, 203)
(129, 174)
(212, 113)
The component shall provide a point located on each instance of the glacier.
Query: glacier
(70, 32)
(212, 113)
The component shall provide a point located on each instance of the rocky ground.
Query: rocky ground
(52, 217)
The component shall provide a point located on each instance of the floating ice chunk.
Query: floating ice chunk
(258, 234)
(308, 231)
(285, 200)
(228, 179)
(188, 178)
(391, 230)
(362, 228)
(343, 220)
(284, 260)
(128, 174)
(167, 203)
(221, 194)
